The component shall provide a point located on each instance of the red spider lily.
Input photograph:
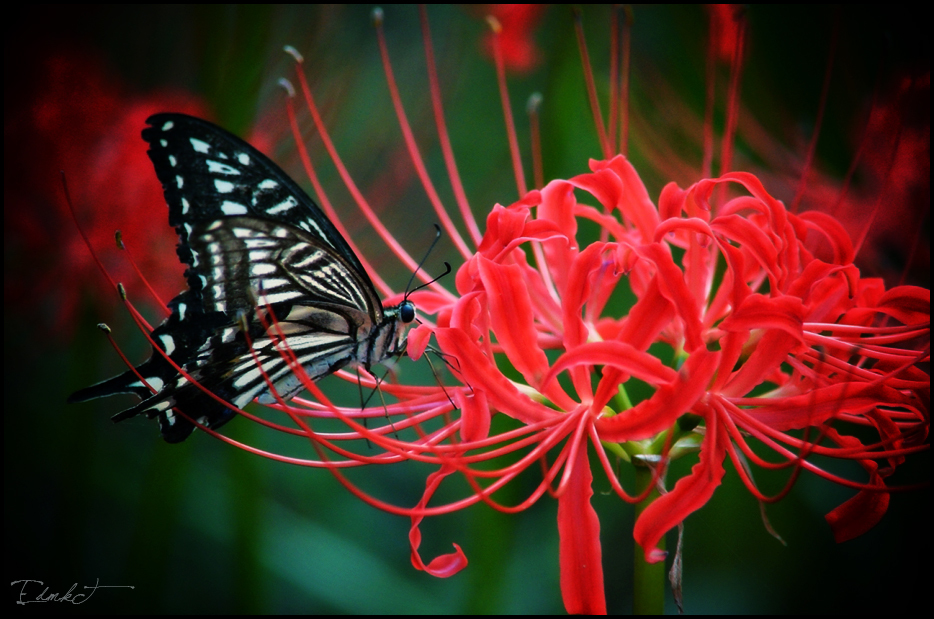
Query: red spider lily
(770, 334)
(780, 341)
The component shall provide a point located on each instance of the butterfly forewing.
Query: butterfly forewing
(254, 242)
(210, 175)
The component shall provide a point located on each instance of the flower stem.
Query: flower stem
(648, 579)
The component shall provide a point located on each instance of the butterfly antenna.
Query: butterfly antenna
(447, 270)
(419, 267)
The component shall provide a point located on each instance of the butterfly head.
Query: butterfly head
(402, 316)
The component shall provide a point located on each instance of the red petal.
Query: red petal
(834, 232)
(579, 543)
(416, 341)
(689, 494)
(907, 304)
(672, 285)
(444, 565)
(475, 415)
(617, 185)
(512, 320)
(651, 416)
(864, 511)
(480, 373)
(858, 515)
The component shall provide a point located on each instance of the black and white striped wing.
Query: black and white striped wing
(251, 238)
(211, 176)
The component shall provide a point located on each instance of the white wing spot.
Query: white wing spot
(221, 168)
(268, 284)
(170, 418)
(172, 160)
(282, 296)
(168, 125)
(233, 208)
(223, 186)
(155, 382)
(180, 181)
(263, 269)
(268, 184)
(290, 202)
(187, 229)
(199, 146)
(185, 206)
(258, 256)
(168, 342)
(164, 143)
(181, 311)
(243, 158)
(259, 243)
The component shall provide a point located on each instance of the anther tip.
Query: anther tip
(534, 102)
(291, 51)
(494, 24)
(377, 16)
(287, 85)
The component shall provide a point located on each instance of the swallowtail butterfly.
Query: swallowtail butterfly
(248, 235)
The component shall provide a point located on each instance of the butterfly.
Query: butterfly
(252, 240)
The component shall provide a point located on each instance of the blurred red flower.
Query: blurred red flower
(84, 124)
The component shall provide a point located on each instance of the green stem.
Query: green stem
(648, 579)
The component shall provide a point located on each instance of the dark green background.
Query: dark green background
(203, 527)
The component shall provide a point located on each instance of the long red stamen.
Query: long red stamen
(507, 107)
(614, 77)
(322, 196)
(355, 192)
(410, 144)
(152, 291)
(624, 82)
(591, 87)
(732, 110)
(444, 139)
(710, 87)
(535, 102)
(825, 89)
(883, 190)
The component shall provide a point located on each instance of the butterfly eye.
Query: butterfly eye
(407, 312)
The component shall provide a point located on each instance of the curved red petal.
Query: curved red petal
(689, 494)
(580, 554)
(480, 372)
(512, 320)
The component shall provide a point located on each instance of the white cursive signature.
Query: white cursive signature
(46, 596)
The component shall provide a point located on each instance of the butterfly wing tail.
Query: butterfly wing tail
(173, 426)
(128, 382)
